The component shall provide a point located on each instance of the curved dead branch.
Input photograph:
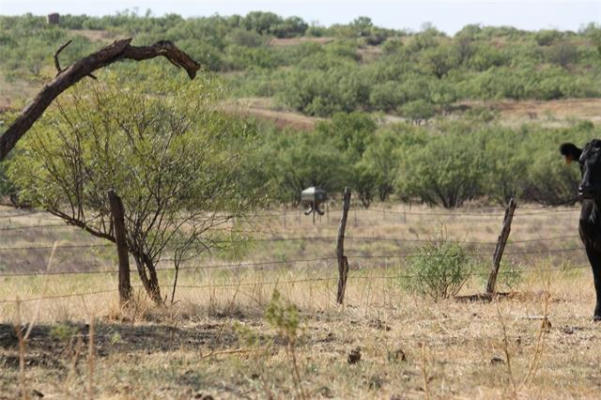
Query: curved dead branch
(117, 51)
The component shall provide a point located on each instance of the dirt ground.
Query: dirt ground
(554, 113)
(382, 344)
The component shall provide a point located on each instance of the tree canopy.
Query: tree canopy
(163, 148)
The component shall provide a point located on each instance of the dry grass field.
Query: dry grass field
(552, 113)
(284, 42)
(217, 340)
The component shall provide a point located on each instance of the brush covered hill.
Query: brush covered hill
(319, 70)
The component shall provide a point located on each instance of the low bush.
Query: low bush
(438, 270)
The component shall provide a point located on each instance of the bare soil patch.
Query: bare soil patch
(264, 108)
(283, 42)
(589, 108)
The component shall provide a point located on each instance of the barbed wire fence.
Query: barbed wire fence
(434, 342)
(10, 222)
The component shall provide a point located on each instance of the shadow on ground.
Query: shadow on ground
(47, 343)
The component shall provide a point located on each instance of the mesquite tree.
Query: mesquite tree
(161, 146)
(119, 50)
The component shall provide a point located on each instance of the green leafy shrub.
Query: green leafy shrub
(63, 332)
(283, 316)
(243, 37)
(546, 37)
(446, 171)
(386, 96)
(511, 276)
(298, 160)
(170, 158)
(392, 45)
(418, 110)
(438, 270)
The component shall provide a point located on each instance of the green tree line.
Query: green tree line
(445, 163)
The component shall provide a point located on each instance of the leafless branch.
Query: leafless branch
(56, 62)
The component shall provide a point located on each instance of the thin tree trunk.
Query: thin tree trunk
(122, 251)
(153, 289)
(148, 277)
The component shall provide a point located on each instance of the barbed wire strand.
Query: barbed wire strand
(304, 280)
(289, 281)
(262, 264)
(59, 296)
(298, 212)
(324, 238)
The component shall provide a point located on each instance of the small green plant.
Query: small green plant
(439, 270)
(63, 332)
(284, 317)
(511, 276)
(115, 338)
(246, 335)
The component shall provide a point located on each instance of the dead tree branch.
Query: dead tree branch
(56, 62)
(117, 51)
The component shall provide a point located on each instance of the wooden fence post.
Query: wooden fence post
(342, 260)
(119, 225)
(496, 262)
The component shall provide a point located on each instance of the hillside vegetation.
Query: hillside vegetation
(421, 116)
(319, 70)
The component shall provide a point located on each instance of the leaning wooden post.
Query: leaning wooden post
(342, 260)
(119, 226)
(496, 262)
